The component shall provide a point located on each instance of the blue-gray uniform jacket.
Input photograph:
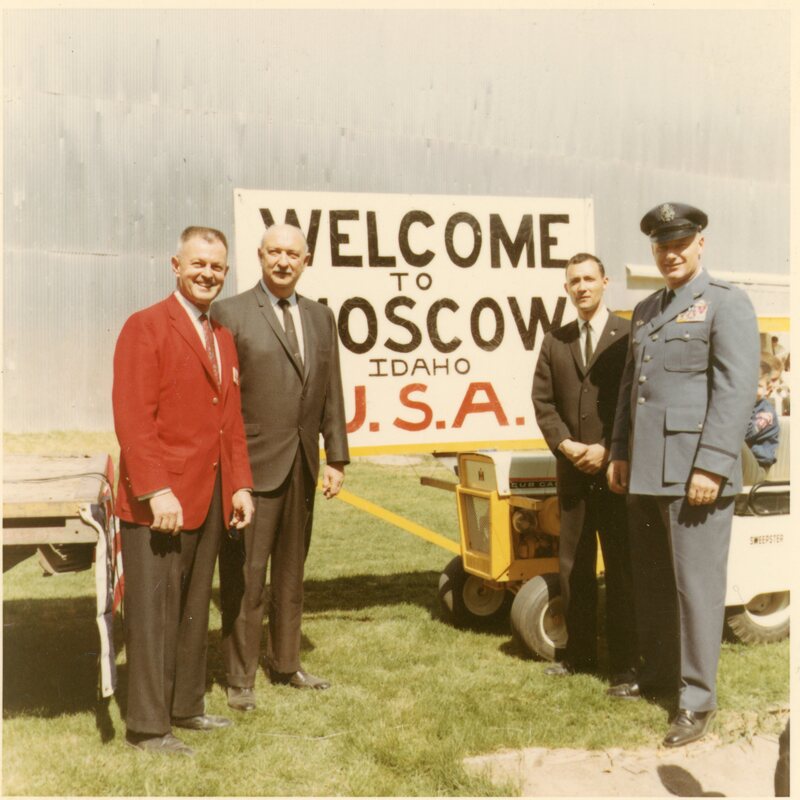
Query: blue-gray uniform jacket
(688, 386)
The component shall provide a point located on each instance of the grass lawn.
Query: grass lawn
(411, 695)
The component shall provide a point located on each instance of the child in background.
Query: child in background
(763, 429)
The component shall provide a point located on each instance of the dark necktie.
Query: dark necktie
(587, 353)
(668, 296)
(289, 330)
(211, 351)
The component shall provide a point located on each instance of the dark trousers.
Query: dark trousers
(596, 511)
(679, 555)
(281, 533)
(167, 594)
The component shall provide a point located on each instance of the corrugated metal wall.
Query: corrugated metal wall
(122, 127)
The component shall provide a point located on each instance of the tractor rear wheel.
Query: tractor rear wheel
(764, 619)
(537, 616)
(467, 600)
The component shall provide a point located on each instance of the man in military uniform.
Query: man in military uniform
(685, 400)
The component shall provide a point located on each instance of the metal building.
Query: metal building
(122, 127)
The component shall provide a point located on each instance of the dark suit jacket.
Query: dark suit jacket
(286, 405)
(176, 427)
(572, 402)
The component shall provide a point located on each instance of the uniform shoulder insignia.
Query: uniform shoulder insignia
(720, 283)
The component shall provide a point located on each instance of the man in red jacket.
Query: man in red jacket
(184, 477)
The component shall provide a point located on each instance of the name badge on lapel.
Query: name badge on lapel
(235, 376)
(695, 313)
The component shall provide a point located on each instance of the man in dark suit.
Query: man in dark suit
(291, 392)
(575, 389)
(685, 400)
(184, 476)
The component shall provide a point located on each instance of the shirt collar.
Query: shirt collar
(191, 309)
(275, 300)
(598, 321)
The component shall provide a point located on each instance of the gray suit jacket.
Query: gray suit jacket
(688, 388)
(572, 402)
(286, 405)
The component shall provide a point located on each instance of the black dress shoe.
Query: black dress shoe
(559, 670)
(201, 722)
(241, 698)
(298, 680)
(167, 744)
(688, 726)
(625, 691)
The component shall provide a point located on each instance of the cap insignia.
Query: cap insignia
(666, 213)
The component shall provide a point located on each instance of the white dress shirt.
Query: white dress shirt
(596, 325)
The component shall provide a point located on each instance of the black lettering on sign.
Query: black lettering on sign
(290, 218)
(368, 311)
(462, 217)
(375, 259)
(340, 237)
(433, 326)
(416, 336)
(545, 221)
(412, 258)
(537, 316)
(524, 239)
(499, 324)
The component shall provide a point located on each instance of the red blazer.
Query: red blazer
(175, 427)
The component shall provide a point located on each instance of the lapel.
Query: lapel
(225, 357)
(573, 337)
(607, 337)
(310, 343)
(269, 314)
(179, 320)
(683, 299)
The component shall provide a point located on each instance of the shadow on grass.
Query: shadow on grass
(50, 660)
(51, 646)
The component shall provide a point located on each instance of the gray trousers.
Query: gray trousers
(679, 556)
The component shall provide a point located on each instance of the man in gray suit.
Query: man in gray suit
(291, 392)
(575, 390)
(685, 401)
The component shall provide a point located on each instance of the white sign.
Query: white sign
(441, 304)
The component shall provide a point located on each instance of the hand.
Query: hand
(167, 513)
(617, 476)
(243, 509)
(573, 450)
(593, 459)
(703, 487)
(332, 479)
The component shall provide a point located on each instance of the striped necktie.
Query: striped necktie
(289, 330)
(211, 350)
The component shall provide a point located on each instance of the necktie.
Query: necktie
(211, 351)
(668, 295)
(288, 329)
(587, 353)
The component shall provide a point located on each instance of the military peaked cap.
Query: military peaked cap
(672, 221)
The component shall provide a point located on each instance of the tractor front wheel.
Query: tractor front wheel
(467, 600)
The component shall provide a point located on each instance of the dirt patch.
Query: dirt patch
(708, 768)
